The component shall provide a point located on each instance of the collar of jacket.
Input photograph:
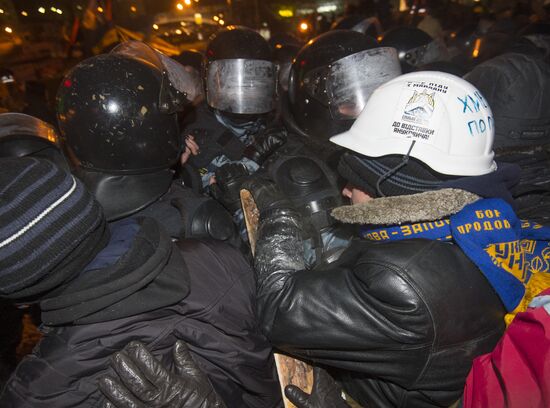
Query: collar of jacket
(150, 275)
(426, 206)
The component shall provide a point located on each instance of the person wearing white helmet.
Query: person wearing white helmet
(443, 264)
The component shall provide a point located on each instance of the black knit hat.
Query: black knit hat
(50, 227)
(389, 175)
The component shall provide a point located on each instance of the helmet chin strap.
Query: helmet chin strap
(394, 170)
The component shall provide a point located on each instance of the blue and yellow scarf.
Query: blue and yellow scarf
(514, 255)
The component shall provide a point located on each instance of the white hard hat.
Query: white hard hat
(446, 117)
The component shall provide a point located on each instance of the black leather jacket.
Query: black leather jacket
(399, 322)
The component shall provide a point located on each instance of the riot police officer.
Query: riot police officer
(414, 47)
(330, 81)
(232, 126)
(118, 118)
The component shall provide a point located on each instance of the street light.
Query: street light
(179, 6)
(41, 10)
(187, 2)
(8, 30)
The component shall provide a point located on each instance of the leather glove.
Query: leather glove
(279, 244)
(227, 187)
(325, 393)
(267, 195)
(265, 144)
(144, 383)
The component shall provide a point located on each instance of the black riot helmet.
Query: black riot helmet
(240, 75)
(284, 38)
(356, 22)
(23, 135)
(117, 116)
(332, 78)
(283, 55)
(414, 47)
(463, 39)
(284, 48)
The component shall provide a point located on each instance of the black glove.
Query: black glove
(144, 383)
(267, 195)
(279, 244)
(265, 144)
(325, 393)
(227, 187)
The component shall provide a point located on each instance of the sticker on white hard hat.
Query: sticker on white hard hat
(419, 111)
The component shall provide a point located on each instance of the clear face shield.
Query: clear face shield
(283, 74)
(241, 86)
(19, 124)
(366, 24)
(180, 85)
(426, 54)
(346, 85)
(24, 135)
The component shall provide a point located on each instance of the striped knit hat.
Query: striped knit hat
(50, 227)
(389, 175)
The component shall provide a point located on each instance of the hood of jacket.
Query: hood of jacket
(140, 270)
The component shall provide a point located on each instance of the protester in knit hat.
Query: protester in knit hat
(102, 286)
(22, 135)
(50, 227)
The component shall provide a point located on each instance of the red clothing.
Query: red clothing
(517, 372)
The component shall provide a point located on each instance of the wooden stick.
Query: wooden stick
(290, 370)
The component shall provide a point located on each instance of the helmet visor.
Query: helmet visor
(180, 85)
(184, 79)
(284, 74)
(19, 124)
(426, 54)
(352, 80)
(241, 86)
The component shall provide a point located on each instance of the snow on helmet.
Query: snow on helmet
(438, 118)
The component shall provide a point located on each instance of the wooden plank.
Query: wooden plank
(290, 370)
